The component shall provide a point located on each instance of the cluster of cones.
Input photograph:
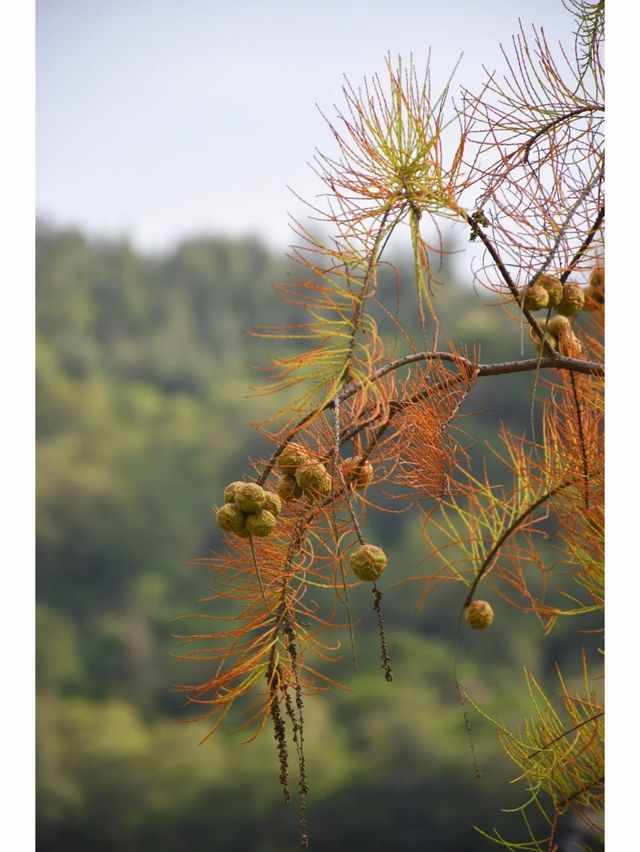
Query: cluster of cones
(304, 476)
(248, 510)
(566, 300)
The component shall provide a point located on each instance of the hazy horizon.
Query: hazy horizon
(158, 121)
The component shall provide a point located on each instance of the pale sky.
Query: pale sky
(157, 119)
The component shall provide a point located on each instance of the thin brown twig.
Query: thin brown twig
(566, 733)
(491, 556)
(585, 244)
(557, 362)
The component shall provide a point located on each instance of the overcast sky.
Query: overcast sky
(160, 118)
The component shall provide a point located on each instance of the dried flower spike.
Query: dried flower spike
(479, 615)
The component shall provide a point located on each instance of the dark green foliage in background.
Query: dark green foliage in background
(143, 383)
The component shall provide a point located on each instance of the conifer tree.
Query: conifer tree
(520, 165)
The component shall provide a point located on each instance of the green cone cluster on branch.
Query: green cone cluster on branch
(559, 335)
(368, 562)
(567, 300)
(536, 297)
(248, 510)
(302, 475)
(479, 615)
(572, 301)
(547, 291)
(553, 287)
(360, 475)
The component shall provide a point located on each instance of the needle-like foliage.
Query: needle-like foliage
(364, 424)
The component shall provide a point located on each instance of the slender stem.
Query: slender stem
(384, 651)
(563, 227)
(490, 558)
(337, 474)
(579, 792)
(585, 244)
(550, 125)
(566, 733)
(357, 312)
(508, 280)
(583, 449)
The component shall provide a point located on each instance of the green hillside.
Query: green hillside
(143, 410)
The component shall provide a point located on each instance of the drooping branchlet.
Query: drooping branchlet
(385, 659)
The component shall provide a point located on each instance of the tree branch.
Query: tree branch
(493, 553)
(585, 245)
(508, 280)
(550, 125)
(556, 362)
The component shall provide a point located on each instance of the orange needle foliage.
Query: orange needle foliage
(526, 178)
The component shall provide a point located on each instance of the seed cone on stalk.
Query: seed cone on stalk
(290, 459)
(272, 503)
(248, 510)
(261, 524)
(537, 341)
(567, 343)
(249, 497)
(479, 615)
(288, 489)
(231, 519)
(230, 491)
(594, 291)
(368, 562)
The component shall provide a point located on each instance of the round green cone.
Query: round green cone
(230, 519)
(479, 615)
(368, 562)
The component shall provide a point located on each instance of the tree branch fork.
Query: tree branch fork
(474, 371)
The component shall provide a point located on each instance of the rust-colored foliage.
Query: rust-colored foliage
(529, 148)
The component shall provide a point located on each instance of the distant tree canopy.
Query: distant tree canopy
(130, 458)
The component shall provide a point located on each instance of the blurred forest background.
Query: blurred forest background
(143, 413)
